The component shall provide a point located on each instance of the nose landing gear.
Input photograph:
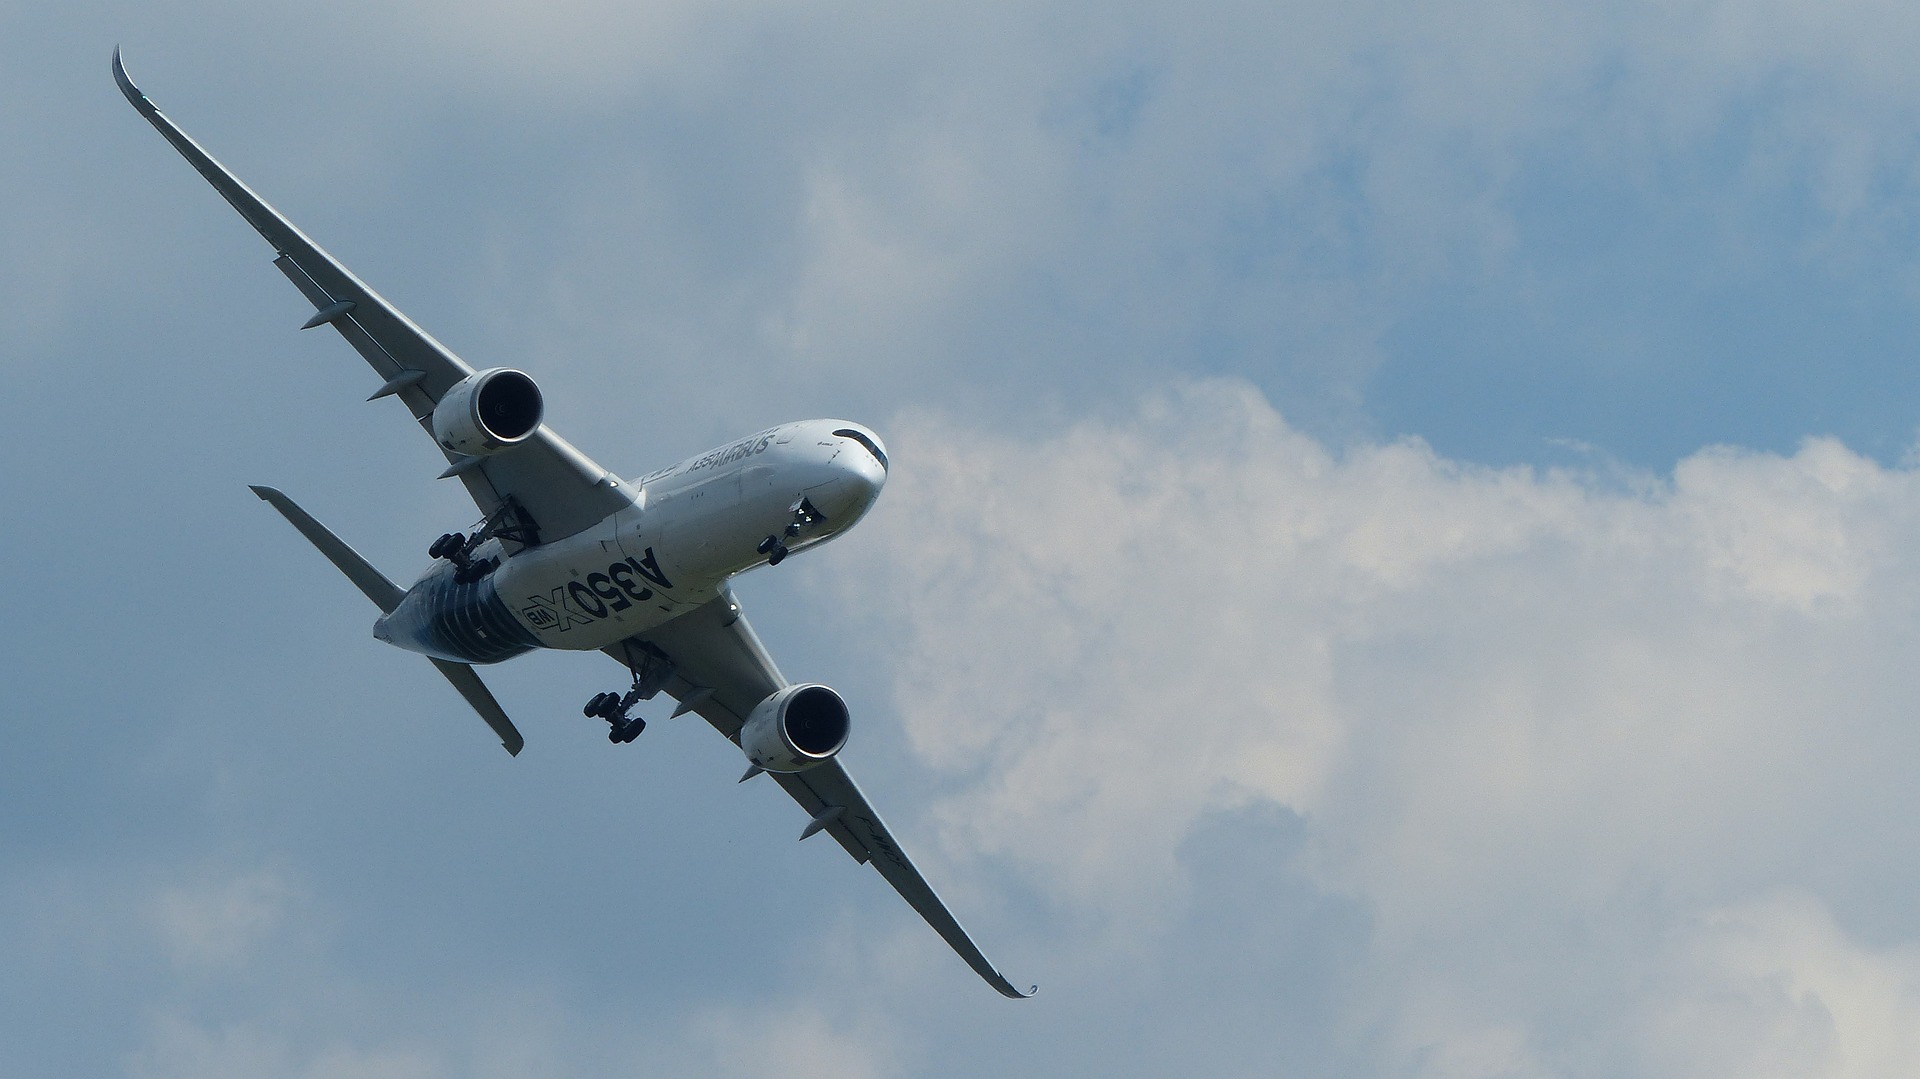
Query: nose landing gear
(804, 516)
(775, 551)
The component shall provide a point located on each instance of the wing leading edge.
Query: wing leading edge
(562, 489)
(720, 670)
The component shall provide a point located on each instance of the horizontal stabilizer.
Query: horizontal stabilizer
(478, 695)
(384, 593)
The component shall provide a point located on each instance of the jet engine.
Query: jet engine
(795, 728)
(487, 411)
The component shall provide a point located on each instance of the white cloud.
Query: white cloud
(798, 1042)
(1515, 709)
(1772, 987)
(220, 922)
(179, 1050)
(1267, 187)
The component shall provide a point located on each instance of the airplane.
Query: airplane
(568, 555)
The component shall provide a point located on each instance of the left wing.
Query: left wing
(713, 663)
(559, 487)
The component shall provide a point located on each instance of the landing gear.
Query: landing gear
(612, 707)
(458, 549)
(804, 516)
(508, 522)
(651, 671)
(775, 551)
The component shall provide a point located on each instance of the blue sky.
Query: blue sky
(1398, 560)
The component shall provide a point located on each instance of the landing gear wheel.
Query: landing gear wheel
(779, 554)
(447, 544)
(768, 544)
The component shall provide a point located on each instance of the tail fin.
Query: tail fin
(386, 595)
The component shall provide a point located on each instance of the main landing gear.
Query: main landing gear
(612, 707)
(458, 549)
(508, 522)
(804, 516)
(651, 669)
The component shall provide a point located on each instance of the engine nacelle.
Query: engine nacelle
(487, 411)
(795, 728)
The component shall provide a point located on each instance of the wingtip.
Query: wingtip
(263, 493)
(1007, 990)
(126, 83)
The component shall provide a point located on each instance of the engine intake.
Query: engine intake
(795, 728)
(487, 411)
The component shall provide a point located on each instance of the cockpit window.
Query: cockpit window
(878, 455)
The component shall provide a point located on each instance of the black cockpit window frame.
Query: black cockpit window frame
(861, 437)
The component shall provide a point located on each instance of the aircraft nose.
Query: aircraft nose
(855, 486)
(865, 478)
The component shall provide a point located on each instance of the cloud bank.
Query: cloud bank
(1610, 762)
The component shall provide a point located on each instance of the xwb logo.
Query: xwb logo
(597, 596)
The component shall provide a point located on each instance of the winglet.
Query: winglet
(134, 94)
(1005, 988)
(120, 76)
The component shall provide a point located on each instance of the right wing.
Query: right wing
(560, 488)
(713, 663)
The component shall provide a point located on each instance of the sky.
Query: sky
(1399, 558)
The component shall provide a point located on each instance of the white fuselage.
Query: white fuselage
(689, 528)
